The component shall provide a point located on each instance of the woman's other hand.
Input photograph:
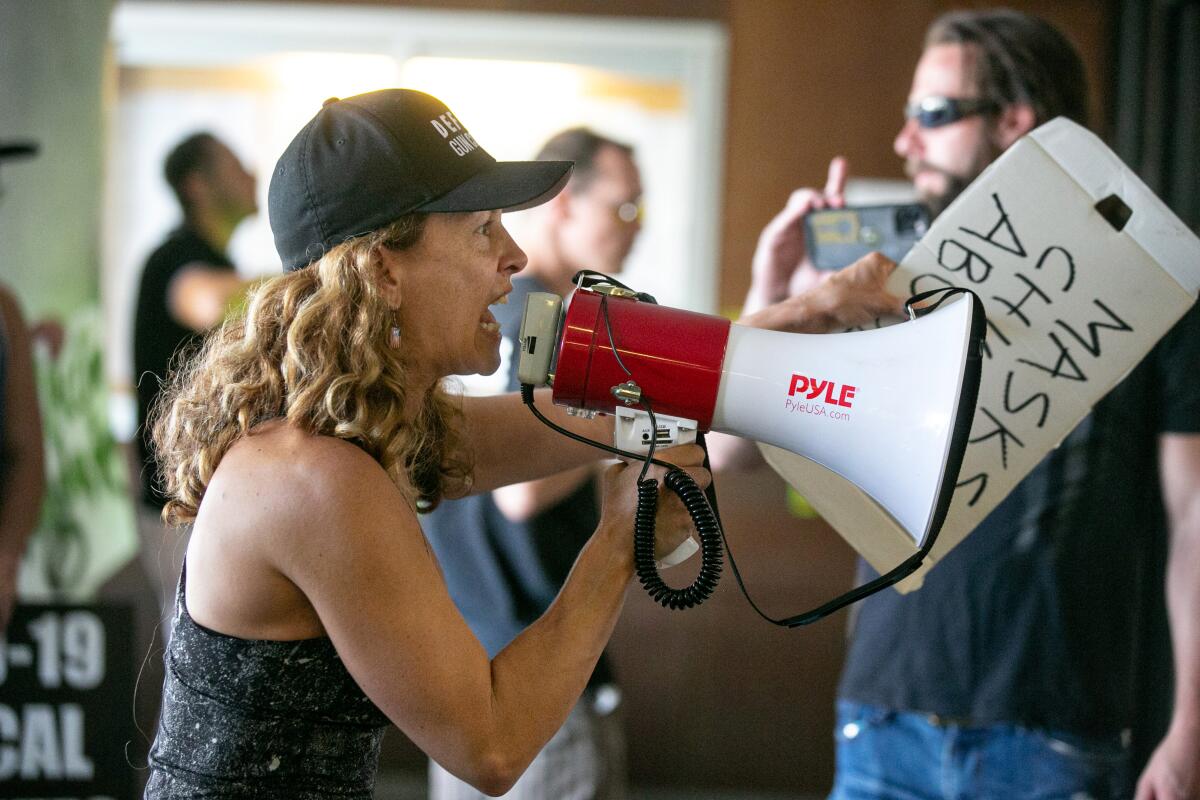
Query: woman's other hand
(856, 295)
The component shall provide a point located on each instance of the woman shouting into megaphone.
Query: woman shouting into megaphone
(305, 439)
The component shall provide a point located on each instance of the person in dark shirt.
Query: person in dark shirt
(186, 287)
(507, 554)
(1011, 673)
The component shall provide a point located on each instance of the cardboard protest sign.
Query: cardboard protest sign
(1081, 270)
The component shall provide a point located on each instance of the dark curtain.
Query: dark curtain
(1156, 130)
(1156, 108)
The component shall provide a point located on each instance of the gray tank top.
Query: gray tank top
(244, 718)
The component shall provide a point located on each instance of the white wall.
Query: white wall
(254, 73)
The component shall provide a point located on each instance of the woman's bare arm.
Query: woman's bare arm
(354, 548)
(511, 445)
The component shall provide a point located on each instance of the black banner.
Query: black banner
(66, 703)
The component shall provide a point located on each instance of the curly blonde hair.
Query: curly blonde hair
(311, 348)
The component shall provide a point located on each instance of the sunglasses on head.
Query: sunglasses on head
(935, 111)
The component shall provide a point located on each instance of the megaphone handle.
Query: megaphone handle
(704, 518)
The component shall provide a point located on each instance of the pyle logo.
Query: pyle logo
(813, 388)
(446, 124)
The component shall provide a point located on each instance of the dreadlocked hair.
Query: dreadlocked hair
(1021, 59)
(312, 348)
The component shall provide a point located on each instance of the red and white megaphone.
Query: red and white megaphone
(888, 409)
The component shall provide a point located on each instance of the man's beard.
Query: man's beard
(955, 184)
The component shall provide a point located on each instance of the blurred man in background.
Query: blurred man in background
(1011, 673)
(506, 555)
(187, 287)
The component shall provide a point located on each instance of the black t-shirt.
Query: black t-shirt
(503, 575)
(1036, 617)
(157, 336)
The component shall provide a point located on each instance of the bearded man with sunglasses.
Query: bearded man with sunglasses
(1021, 668)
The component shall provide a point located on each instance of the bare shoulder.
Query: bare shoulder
(282, 505)
(296, 478)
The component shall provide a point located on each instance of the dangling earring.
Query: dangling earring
(394, 334)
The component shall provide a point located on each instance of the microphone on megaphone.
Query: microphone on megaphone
(888, 409)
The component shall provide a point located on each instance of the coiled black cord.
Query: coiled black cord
(708, 528)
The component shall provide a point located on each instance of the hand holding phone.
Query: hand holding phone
(837, 237)
(780, 267)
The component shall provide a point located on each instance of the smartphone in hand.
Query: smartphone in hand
(837, 237)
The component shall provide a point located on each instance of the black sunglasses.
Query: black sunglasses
(935, 111)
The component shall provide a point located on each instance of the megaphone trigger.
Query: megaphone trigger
(704, 518)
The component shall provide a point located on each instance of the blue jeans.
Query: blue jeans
(890, 755)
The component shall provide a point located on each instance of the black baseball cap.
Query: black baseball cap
(17, 149)
(365, 161)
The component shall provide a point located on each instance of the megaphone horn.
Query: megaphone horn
(888, 409)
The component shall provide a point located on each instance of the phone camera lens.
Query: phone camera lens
(908, 220)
